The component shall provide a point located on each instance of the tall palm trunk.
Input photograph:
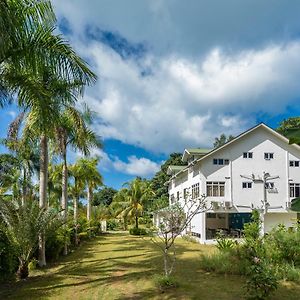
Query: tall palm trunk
(89, 204)
(43, 193)
(76, 200)
(24, 187)
(64, 195)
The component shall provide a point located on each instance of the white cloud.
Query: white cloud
(143, 167)
(188, 102)
(194, 89)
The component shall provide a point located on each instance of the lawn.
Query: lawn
(119, 266)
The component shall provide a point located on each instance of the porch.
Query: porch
(227, 224)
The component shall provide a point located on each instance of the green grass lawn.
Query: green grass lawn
(118, 266)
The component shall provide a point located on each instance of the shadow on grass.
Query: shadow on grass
(125, 265)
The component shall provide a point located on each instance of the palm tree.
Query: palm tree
(41, 118)
(72, 131)
(28, 43)
(76, 191)
(129, 201)
(23, 225)
(92, 179)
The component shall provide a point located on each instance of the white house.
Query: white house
(257, 169)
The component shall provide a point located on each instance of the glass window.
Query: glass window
(215, 189)
(247, 185)
(195, 191)
(247, 155)
(294, 190)
(269, 155)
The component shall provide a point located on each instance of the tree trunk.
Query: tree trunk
(24, 189)
(136, 221)
(89, 204)
(64, 195)
(23, 271)
(76, 217)
(43, 193)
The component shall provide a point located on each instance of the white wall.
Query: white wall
(258, 141)
(272, 220)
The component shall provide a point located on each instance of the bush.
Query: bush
(55, 243)
(224, 244)
(224, 263)
(137, 231)
(112, 225)
(165, 282)
(262, 280)
(284, 245)
(288, 272)
(8, 259)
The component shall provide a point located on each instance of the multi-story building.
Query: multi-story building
(258, 169)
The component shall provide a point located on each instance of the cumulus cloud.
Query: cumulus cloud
(185, 102)
(143, 167)
(180, 93)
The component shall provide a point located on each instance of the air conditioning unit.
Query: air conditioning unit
(227, 204)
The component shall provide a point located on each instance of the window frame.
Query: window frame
(215, 188)
(247, 185)
(248, 155)
(268, 155)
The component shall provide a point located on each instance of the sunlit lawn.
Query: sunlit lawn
(118, 266)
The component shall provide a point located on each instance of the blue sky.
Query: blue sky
(175, 74)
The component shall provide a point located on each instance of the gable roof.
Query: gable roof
(194, 151)
(174, 169)
(260, 125)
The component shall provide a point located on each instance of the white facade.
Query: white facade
(230, 193)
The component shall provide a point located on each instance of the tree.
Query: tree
(23, 225)
(28, 43)
(104, 196)
(77, 172)
(158, 182)
(223, 139)
(91, 178)
(290, 128)
(174, 220)
(129, 201)
(72, 131)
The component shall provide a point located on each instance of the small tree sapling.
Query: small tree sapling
(173, 221)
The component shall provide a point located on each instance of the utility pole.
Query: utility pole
(265, 205)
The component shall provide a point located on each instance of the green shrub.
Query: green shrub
(112, 224)
(288, 272)
(225, 244)
(262, 280)
(284, 245)
(137, 231)
(55, 244)
(165, 282)
(8, 259)
(224, 263)
(32, 264)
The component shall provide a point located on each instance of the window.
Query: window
(269, 185)
(247, 185)
(248, 154)
(172, 198)
(215, 189)
(178, 196)
(294, 163)
(294, 190)
(185, 194)
(269, 155)
(220, 161)
(195, 191)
